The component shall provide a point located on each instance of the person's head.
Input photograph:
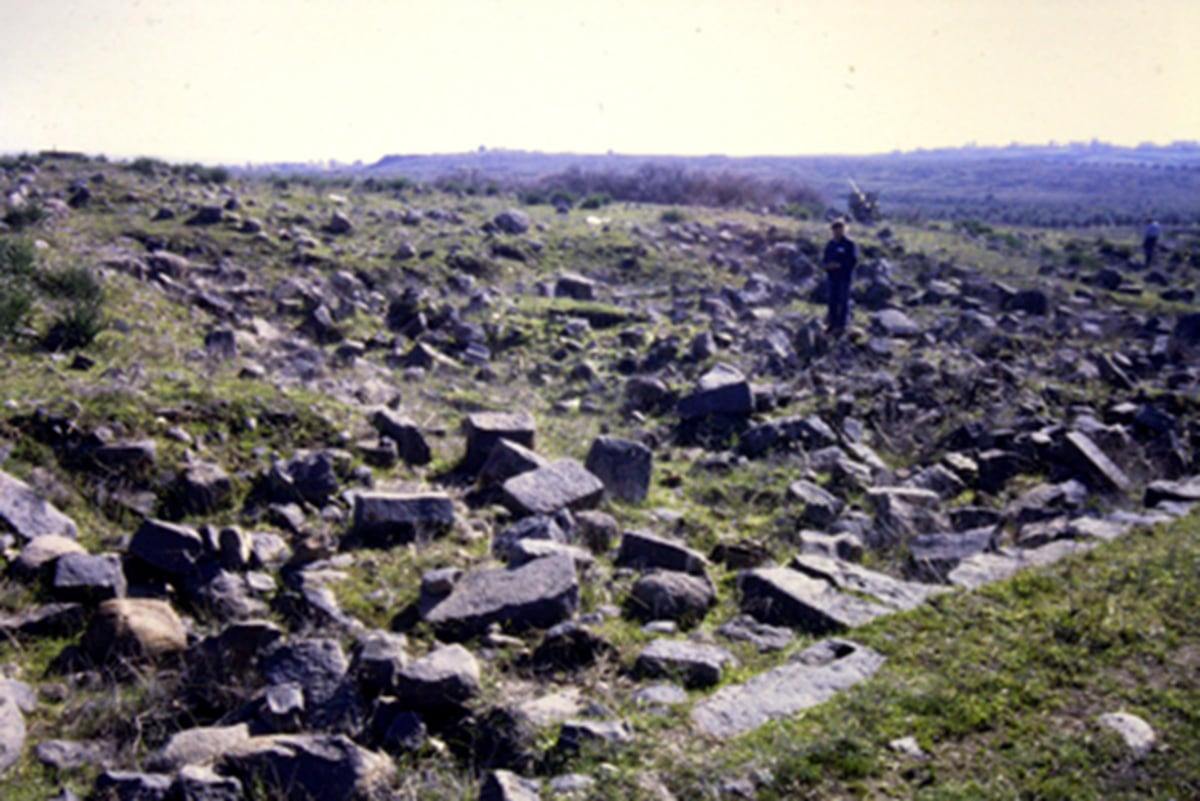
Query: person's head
(839, 228)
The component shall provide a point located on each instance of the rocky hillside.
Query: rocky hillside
(317, 489)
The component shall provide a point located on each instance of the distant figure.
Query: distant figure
(841, 256)
(1150, 240)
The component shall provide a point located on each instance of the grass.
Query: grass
(1002, 687)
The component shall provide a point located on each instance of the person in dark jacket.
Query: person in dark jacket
(839, 261)
(1150, 240)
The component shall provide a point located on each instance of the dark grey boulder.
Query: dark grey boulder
(88, 578)
(504, 785)
(195, 746)
(512, 221)
(781, 596)
(1082, 454)
(821, 507)
(526, 550)
(574, 286)
(201, 489)
(596, 530)
(692, 664)
(556, 528)
(723, 390)
(120, 785)
(642, 550)
(38, 556)
(848, 577)
(509, 459)
(46, 620)
(562, 484)
(202, 783)
(671, 595)
(932, 557)
(579, 734)
(410, 442)
(215, 593)
(1186, 491)
(173, 550)
(302, 767)
(812, 677)
(28, 514)
(894, 323)
(126, 457)
(319, 667)
(536, 595)
(485, 429)
(377, 663)
(764, 637)
(389, 518)
(12, 732)
(624, 466)
(570, 646)
(445, 677)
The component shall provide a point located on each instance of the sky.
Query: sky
(241, 81)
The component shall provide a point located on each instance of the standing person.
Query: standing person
(1150, 240)
(841, 256)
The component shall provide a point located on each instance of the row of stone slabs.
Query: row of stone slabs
(828, 595)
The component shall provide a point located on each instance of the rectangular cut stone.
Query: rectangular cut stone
(785, 597)
(849, 577)
(485, 429)
(814, 676)
(539, 594)
(1088, 457)
(389, 518)
(562, 484)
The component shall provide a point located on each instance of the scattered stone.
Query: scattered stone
(509, 459)
(642, 550)
(388, 518)
(849, 577)
(202, 783)
(536, 595)
(503, 785)
(723, 390)
(812, 677)
(579, 734)
(28, 515)
(12, 732)
(933, 557)
(762, 636)
(445, 677)
(172, 549)
(123, 785)
(1138, 735)
(48, 620)
(563, 484)
(781, 596)
(671, 595)
(485, 429)
(624, 466)
(410, 442)
(570, 646)
(195, 746)
(694, 664)
(306, 766)
(88, 578)
(39, 555)
(1087, 457)
(134, 627)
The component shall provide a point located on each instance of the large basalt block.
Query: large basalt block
(536, 595)
(389, 518)
(784, 597)
(562, 484)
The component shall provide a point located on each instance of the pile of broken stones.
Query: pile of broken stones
(290, 707)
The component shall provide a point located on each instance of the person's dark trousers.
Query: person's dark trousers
(839, 299)
(1149, 245)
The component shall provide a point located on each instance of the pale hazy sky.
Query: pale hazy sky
(275, 80)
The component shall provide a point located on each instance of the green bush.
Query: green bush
(595, 201)
(76, 326)
(73, 284)
(16, 304)
(17, 258)
(25, 216)
(673, 216)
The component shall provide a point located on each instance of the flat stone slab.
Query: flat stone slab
(985, 568)
(28, 514)
(562, 484)
(645, 551)
(813, 676)
(849, 577)
(693, 664)
(1187, 491)
(1088, 457)
(485, 429)
(785, 597)
(536, 595)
